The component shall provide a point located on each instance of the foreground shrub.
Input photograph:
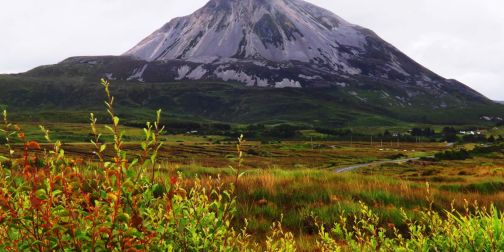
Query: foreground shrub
(476, 229)
(49, 201)
(59, 214)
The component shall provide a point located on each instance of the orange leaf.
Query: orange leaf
(33, 145)
(104, 230)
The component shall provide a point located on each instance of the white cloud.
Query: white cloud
(460, 39)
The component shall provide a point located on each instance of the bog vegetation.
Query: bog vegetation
(50, 201)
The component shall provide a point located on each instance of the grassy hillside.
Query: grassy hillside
(70, 99)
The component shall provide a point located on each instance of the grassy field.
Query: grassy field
(295, 180)
(203, 151)
(306, 195)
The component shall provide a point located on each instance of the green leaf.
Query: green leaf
(147, 133)
(158, 115)
(124, 217)
(134, 162)
(41, 194)
(116, 120)
(102, 148)
(60, 212)
(56, 193)
(103, 194)
(153, 158)
(82, 236)
(241, 174)
(109, 129)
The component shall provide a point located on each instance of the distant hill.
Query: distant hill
(65, 99)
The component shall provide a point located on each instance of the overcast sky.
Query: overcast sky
(459, 39)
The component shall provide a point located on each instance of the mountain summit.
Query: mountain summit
(278, 43)
(270, 30)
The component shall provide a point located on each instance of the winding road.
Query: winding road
(357, 166)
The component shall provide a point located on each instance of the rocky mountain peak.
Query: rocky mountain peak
(280, 43)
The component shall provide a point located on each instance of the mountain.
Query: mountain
(280, 43)
(266, 45)
(270, 43)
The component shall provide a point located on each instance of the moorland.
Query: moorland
(286, 185)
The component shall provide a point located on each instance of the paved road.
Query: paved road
(353, 167)
(398, 161)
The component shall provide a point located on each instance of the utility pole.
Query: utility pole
(351, 138)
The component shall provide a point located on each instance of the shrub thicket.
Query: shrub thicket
(453, 155)
(475, 229)
(50, 202)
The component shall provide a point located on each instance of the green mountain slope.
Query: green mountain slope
(70, 99)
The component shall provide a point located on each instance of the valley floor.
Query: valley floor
(296, 182)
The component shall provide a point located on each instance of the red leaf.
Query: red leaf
(36, 203)
(173, 180)
(33, 145)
